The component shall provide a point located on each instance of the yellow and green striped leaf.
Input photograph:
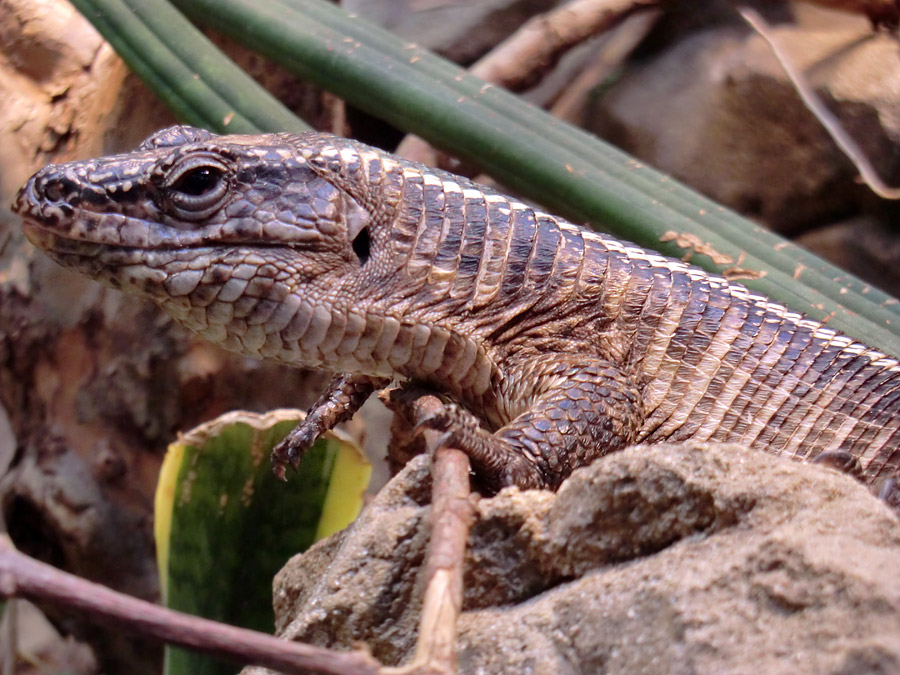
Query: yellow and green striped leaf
(225, 525)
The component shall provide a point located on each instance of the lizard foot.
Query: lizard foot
(841, 460)
(344, 395)
(497, 463)
(293, 446)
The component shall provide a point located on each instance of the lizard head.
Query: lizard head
(195, 221)
(187, 194)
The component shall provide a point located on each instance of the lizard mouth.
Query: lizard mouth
(102, 262)
(84, 239)
(43, 237)
(38, 235)
(55, 242)
(53, 224)
(90, 257)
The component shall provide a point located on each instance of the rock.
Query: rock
(863, 246)
(716, 110)
(657, 559)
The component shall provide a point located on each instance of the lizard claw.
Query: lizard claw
(280, 470)
(292, 448)
(436, 421)
(282, 457)
(450, 421)
(841, 460)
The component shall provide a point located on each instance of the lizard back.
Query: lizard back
(564, 343)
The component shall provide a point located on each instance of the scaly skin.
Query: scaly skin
(557, 344)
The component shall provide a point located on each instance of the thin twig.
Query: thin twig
(525, 56)
(815, 105)
(452, 514)
(570, 104)
(336, 108)
(21, 576)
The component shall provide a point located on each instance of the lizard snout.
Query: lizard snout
(50, 187)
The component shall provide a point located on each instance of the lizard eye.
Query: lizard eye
(197, 187)
(198, 182)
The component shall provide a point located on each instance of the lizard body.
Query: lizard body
(558, 344)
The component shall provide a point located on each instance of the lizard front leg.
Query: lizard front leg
(580, 410)
(345, 394)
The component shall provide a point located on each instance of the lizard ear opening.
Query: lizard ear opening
(362, 245)
(357, 221)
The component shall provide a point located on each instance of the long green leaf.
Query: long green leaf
(563, 167)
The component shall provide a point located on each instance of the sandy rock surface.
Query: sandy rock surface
(659, 559)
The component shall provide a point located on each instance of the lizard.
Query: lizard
(552, 344)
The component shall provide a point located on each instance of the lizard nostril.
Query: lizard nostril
(55, 190)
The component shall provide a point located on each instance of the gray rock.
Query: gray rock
(658, 559)
(863, 246)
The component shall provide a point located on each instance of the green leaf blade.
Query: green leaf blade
(225, 525)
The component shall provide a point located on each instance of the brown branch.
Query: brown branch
(815, 105)
(451, 516)
(21, 576)
(524, 57)
(570, 103)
